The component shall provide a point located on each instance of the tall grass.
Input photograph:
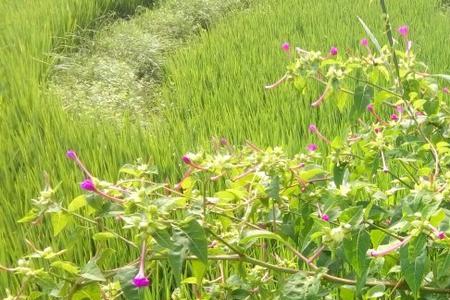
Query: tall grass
(34, 130)
(214, 87)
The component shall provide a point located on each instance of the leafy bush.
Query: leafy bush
(369, 220)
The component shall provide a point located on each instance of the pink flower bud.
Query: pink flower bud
(440, 235)
(88, 185)
(370, 107)
(394, 117)
(334, 51)
(403, 30)
(285, 47)
(364, 42)
(71, 154)
(446, 90)
(312, 128)
(399, 109)
(186, 160)
(325, 217)
(312, 147)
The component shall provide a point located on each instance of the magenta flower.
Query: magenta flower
(394, 117)
(312, 128)
(285, 47)
(446, 90)
(71, 154)
(312, 147)
(334, 51)
(370, 107)
(186, 159)
(88, 185)
(403, 30)
(325, 217)
(141, 281)
(364, 42)
(440, 235)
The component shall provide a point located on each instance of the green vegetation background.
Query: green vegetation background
(214, 87)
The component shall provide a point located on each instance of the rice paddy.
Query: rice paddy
(212, 86)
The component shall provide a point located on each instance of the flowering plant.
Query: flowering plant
(248, 223)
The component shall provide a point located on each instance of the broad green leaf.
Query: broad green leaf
(199, 271)
(162, 237)
(251, 235)
(103, 236)
(302, 286)
(355, 251)
(225, 196)
(125, 276)
(376, 292)
(177, 255)
(66, 266)
(311, 173)
(92, 272)
(59, 221)
(363, 96)
(91, 291)
(77, 203)
(29, 217)
(198, 244)
(342, 100)
(338, 174)
(413, 262)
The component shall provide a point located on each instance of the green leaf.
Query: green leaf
(376, 291)
(91, 291)
(199, 271)
(363, 96)
(355, 251)
(77, 203)
(59, 221)
(198, 243)
(29, 217)
(342, 100)
(162, 237)
(413, 262)
(251, 235)
(338, 174)
(103, 236)
(125, 276)
(370, 34)
(92, 272)
(302, 286)
(66, 266)
(177, 254)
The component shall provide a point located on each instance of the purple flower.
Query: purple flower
(312, 147)
(334, 51)
(403, 30)
(440, 235)
(364, 42)
(312, 128)
(71, 154)
(141, 281)
(370, 107)
(446, 90)
(394, 117)
(88, 185)
(325, 217)
(285, 47)
(186, 159)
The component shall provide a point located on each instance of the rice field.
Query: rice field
(212, 87)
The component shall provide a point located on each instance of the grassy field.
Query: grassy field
(213, 88)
